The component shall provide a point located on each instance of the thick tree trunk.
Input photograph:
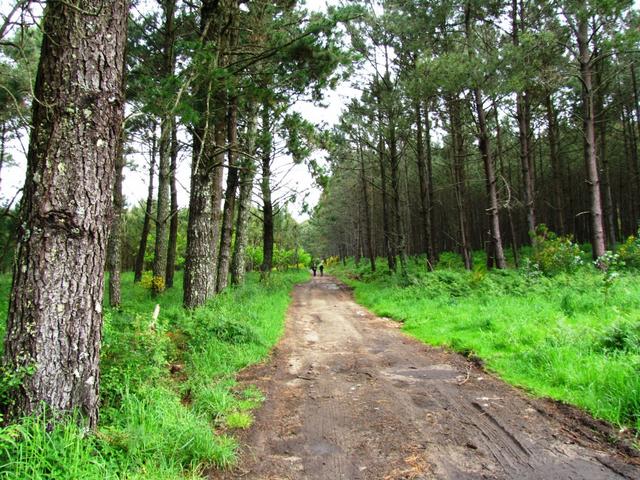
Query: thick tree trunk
(164, 167)
(224, 258)
(603, 159)
(247, 175)
(148, 211)
(55, 315)
(265, 188)
(590, 158)
(206, 171)
(114, 263)
(489, 170)
(174, 224)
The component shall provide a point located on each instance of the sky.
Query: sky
(135, 184)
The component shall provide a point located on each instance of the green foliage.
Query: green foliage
(553, 254)
(629, 251)
(554, 336)
(166, 386)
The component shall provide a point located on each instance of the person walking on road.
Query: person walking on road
(322, 269)
(313, 268)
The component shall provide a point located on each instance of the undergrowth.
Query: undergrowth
(574, 337)
(169, 400)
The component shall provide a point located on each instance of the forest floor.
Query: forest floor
(349, 396)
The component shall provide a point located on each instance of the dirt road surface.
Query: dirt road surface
(349, 396)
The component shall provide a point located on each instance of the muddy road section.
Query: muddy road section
(351, 397)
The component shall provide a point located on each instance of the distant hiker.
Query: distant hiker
(322, 269)
(313, 268)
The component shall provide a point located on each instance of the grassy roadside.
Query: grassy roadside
(169, 401)
(570, 337)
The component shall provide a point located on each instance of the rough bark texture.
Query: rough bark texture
(164, 166)
(489, 170)
(146, 225)
(590, 158)
(206, 174)
(173, 225)
(265, 188)
(238, 266)
(114, 262)
(55, 314)
(224, 257)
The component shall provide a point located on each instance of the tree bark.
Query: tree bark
(432, 252)
(148, 211)
(54, 325)
(523, 137)
(164, 167)
(400, 241)
(115, 235)
(199, 280)
(175, 221)
(224, 258)
(367, 212)
(590, 157)
(556, 167)
(425, 206)
(265, 188)
(457, 154)
(489, 170)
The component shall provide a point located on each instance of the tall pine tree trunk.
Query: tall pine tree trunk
(173, 225)
(425, 206)
(238, 266)
(199, 280)
(224, 258)
(489, 170)
(265, 188)
(54, 326)
(164, 167)
(524, 127)
(148, 211)
(114, 263)
(457, 154)
(556, 167)
(590, 158)
(367, 212)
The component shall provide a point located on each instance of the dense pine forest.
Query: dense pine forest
(481, 186)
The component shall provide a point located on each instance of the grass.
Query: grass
(567, 337)
(168, 393)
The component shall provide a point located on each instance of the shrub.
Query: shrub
(555, 254)
(629, 251)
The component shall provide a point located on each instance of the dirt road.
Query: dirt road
(351, 397)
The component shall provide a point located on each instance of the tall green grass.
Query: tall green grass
(568, 337)
(169, 400)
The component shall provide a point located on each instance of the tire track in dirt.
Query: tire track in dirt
(351, 397)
